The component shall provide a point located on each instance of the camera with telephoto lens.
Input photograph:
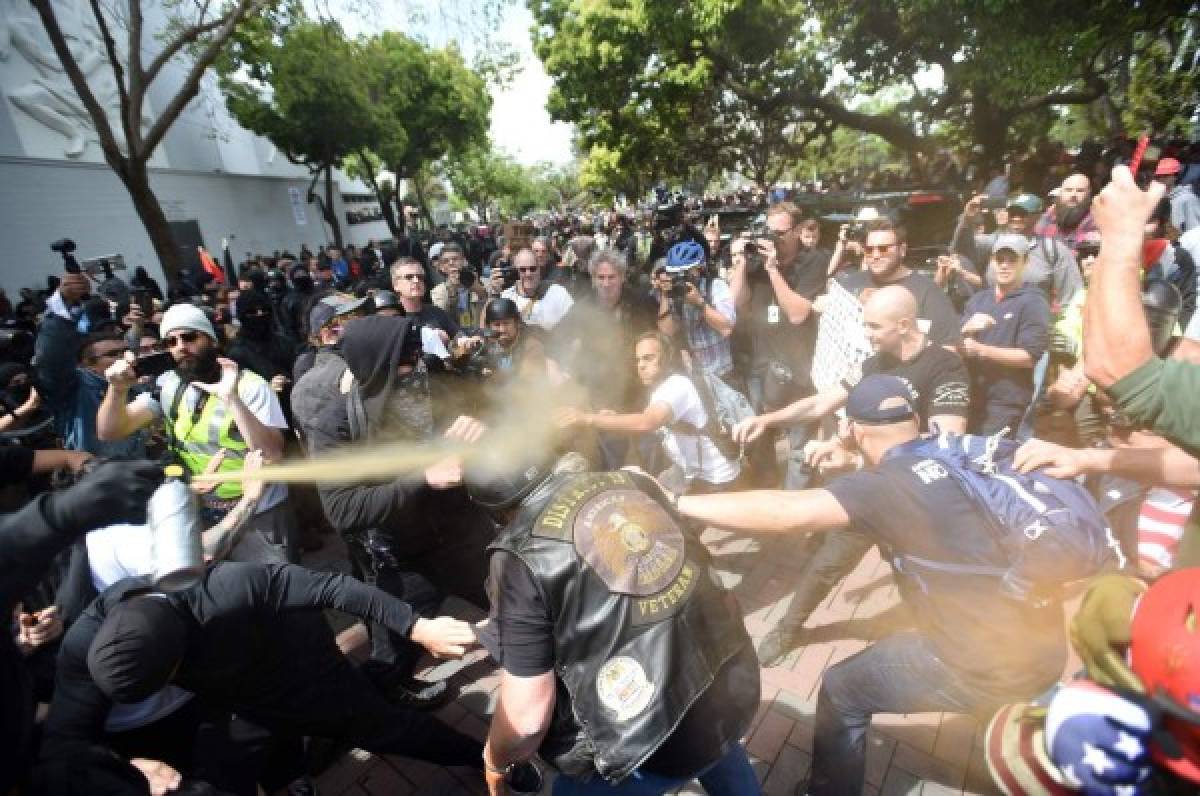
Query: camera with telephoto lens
(66, 247)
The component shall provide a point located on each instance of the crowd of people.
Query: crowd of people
(564, 415)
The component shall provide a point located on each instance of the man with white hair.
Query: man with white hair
(213, 414)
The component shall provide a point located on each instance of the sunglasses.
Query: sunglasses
(412, 277)
(182, 337)
(879, 249)
(531, 269)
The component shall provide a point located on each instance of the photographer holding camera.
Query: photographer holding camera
(699, 307)
(773, 282)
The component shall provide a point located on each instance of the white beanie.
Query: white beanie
(185, 316)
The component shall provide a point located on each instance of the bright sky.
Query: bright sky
(520, 124)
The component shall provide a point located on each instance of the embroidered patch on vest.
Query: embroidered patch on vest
(669, 601)
(627, 538)
(623, 687)
(558, 518)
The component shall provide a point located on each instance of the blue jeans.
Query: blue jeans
(899, 674)
(729, 776)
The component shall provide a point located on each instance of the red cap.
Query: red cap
(1166, 167)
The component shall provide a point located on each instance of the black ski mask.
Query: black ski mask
(255, 315)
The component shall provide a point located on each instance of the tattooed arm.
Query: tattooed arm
(222, 537)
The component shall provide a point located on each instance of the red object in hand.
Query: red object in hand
(1152, 250)
(1136, 161)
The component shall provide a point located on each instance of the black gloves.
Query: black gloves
(113, 492)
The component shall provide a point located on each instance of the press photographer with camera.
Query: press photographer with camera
(774, 281)
(697, 310)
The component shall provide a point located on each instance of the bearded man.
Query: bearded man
(1070, 217)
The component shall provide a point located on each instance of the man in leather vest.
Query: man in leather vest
(625, 664)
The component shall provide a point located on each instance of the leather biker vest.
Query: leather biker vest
(642, 624)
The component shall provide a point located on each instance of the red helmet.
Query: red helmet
(1164, 652)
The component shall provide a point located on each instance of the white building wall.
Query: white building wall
(208, 169)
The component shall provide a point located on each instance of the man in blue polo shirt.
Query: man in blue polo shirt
(973, 646)
(1005, 330)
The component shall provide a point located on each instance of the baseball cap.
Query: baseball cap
(873, 400)
(1026, 201)
(185, 316)
(1167, 167)
(329, 308)
(1014, 243)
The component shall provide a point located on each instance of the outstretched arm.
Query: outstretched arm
(764, 511)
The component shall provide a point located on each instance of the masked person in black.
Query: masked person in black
(418, 536)
(249, 639)
(623, 658)
(293, 310)
(29, 541)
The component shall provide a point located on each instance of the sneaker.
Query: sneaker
(777, 645)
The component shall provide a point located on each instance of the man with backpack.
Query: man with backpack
(970, 552)
(938, 379)
(677, 411)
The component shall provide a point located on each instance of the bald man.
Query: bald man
(937, 376)
(1070, 217)
(938, 379)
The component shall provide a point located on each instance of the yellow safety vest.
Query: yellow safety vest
(196, 441)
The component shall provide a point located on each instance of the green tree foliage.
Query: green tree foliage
(657, 89)
(304, 93)
(426, 103)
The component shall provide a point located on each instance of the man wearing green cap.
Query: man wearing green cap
(1051, 265)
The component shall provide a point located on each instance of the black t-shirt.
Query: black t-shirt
(772, 337)
(525, 637)
(933, 305)
(922, 518)
(937, 376)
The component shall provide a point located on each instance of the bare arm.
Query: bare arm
(1116, 339)
(652, 418)
(814, 407)
(116, 418)
(1161, 466)
(521, 719)
(737, 274)
(1009, 357)
(765, 511)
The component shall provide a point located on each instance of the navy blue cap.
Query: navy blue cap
(866, 403)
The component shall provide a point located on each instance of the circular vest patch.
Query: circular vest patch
(629, 541)
(623, 687)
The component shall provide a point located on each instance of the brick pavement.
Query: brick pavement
(929, 753)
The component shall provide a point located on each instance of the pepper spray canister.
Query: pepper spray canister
(175, 529)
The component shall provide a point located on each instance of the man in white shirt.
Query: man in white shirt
(213, 415)
(676, 412)
(541, 303)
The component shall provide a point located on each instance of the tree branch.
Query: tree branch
(191, 84)
(114, 61)
(136, 82)
(184, 39)
(58, 41)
